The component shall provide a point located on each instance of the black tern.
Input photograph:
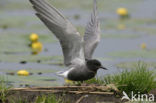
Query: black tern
(77, 50)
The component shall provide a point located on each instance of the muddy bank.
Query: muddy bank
(67, 94)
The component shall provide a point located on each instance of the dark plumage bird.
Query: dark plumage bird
(77, 50)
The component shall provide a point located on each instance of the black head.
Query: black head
(94, 65)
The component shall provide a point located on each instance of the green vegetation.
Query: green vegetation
(18, 21)
(33, 80)
(19, 101)
(31, 58)
(47, 99)
(114, 35)
(131, 65)
(131, 25)
(22, 5)
(3, 90)
(139, 79)
(134, 54)
(51, 98)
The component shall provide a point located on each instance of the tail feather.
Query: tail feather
(62, 73)
(59, 73)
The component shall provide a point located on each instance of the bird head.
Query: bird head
(94, 65)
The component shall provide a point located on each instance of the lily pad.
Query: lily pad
(134, 54)
(33, 80)
(130, 65)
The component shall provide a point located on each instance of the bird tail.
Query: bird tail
(60, 73)
(64, 73)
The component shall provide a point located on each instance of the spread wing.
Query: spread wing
(92, 34)
(70, 40)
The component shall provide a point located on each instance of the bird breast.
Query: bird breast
(80, 74)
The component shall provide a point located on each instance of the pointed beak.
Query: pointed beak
(103, 68)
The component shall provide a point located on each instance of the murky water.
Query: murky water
(18, 21)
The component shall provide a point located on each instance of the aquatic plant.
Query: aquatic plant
(36, 47)
(132, 64)
(140, 79)
(3, 90)
(121, 26)
(123, 13)
(94, 81)
(143, 46)
(47, 99)
(33, 37)
(20, 100)
(134, 54)
(23, 73)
